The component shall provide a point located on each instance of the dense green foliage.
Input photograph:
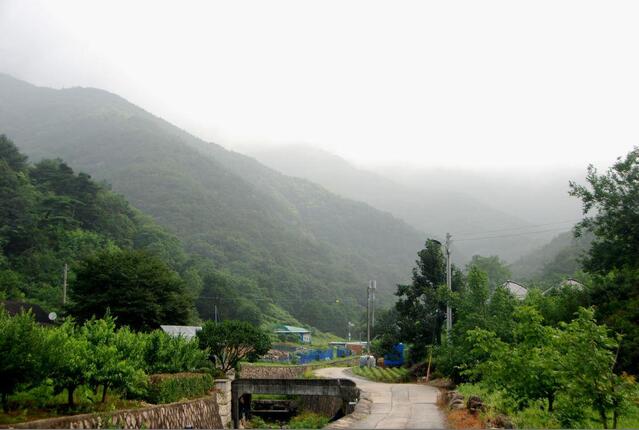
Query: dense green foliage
(95, 355)
(136, 287)
(22, 344)
(611, 209)
(230, 341)
(277, 239)
(169, 388)
(421, 306)
(546, 359)
(49, 217)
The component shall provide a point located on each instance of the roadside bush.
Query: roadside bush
(169, 388)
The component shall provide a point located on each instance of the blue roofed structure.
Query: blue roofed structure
(303, 334)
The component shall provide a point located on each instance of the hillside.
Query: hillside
(557, 259)
(310, 251)
(434, 209)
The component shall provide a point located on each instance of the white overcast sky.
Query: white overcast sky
(450, 83)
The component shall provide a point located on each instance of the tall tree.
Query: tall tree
(421, 306)
(611, 213)
(136, 287)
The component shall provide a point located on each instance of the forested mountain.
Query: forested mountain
(310, 251)
(435, 208)
(559, 258)
(50, 216)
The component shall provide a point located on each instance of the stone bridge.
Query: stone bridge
(242, 389)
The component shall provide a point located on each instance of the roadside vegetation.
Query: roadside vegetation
(563, 356)
(96, 366)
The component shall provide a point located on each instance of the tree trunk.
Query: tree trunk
(603, 418)
(551, 401)
(70, 391)
(104, 392)
(5, 402)
(615, 418)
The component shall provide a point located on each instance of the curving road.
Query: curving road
(389, 406)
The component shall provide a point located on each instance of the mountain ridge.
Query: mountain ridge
(295, 239)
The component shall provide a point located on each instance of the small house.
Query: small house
(287, 331)
(519, 291)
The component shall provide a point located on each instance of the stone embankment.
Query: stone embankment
(252, 371)
(200, 413)
(209, 412)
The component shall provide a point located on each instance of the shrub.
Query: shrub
(169, 388)
(166, 354)
(308, 420)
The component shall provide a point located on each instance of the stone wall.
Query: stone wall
(201, 413)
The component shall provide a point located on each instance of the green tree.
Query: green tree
(419, 307)
(10, 154)
(611, 213)
(230, 341)
(68, 360)
(136, 287)
(496, 270)
(109, 364)
(21, 353)
(525, 369)
(587, 356)
(166, 354)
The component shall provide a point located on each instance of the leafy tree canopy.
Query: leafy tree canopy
(134, 286)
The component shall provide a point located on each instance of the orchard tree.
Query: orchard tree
(230, 341)
(21, 351)
(134, 286)
(587, 356)
(68, 360)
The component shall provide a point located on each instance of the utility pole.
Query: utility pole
(215, 312)
(64, 284)
(373, 308)
(449, 284)
(368, 316)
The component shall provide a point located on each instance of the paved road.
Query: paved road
(389, 406)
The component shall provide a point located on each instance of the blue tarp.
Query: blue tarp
(344, 352)
(316, 355)
(395, 358)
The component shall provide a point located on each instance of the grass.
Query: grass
(308, 420)
(389, 374)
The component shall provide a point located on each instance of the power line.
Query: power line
(519, 228)
(512, 235)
